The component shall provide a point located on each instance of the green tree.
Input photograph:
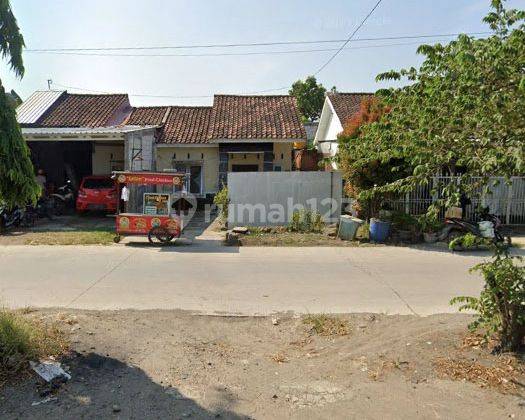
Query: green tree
(310, 97)
(463, 112)
(17, 180)
(13, 98)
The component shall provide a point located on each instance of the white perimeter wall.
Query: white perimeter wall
(255, 196)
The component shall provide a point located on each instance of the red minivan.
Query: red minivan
(97, 193)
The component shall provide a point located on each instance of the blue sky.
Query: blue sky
(115, 23)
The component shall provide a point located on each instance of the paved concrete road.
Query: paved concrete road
(246, 281)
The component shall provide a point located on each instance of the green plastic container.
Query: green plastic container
(348, 226)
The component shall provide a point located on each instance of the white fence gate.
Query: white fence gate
(507, 200)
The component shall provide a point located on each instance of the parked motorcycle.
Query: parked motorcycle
(489, 226)
(63, 198)
(10, 217)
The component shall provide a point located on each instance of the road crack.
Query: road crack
(105, 275)
(377, 278)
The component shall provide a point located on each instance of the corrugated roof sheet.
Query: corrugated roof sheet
(36, 105)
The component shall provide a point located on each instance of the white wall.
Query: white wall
(329, 128)
(257, 198)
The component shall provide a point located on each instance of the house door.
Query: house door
(193, 181)
(245, 168)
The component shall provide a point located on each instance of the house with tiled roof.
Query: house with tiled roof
(338, 108)
(96, 134)
(74, 135)
(237, 133)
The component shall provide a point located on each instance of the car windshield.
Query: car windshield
(97, 183)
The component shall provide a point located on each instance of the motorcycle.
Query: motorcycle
(63, 198)
(10, 217)
(489, 226)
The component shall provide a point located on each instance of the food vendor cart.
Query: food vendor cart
(151, 212)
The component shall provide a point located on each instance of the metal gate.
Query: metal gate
(505, 199)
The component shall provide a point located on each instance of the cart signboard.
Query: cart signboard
(149, 178)
(156, 204)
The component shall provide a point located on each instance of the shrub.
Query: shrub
(429, 222)
(306, 221)
(469, 241)
(403, 221)
(501, 306)
(22, 340)
(222, 201)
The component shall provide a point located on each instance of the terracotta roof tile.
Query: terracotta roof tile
(187, 124)
(181, 124)
(73, 110)
(147, 115)
(347, 104)
(256, 117)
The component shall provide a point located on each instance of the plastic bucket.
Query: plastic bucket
(379, 230)
(348, 226)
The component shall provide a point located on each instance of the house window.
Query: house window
(277, 168)
(193, 180)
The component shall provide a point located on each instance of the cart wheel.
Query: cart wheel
(117, 239)
(162, 235)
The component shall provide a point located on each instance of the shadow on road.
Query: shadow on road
(103, 387)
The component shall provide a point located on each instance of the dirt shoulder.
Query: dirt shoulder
(170, 364)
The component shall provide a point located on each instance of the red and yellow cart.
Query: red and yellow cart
(151, 194)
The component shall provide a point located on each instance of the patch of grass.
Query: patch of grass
(23, 339)
(259, 238)
(81, 237)
(327, 325)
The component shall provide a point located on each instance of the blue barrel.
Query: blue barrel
(379, 230)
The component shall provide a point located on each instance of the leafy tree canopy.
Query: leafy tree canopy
(17, 183)
(461, 111)
(310, 97)
(13, 98)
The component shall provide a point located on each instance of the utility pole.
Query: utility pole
(49, 83)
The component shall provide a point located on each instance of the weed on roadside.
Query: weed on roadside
(279, 358)
(327, 325)
(23, 339)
